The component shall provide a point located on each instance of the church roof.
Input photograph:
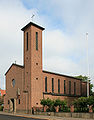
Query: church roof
(33, 24)
(14, 65)
(61, 75)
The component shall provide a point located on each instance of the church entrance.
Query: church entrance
(12, 105)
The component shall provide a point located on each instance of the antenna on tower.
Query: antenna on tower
(32, 17)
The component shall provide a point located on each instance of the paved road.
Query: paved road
(9, 117)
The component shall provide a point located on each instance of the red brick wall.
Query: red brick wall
(11, 92)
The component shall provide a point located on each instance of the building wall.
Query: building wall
(36, 68)
(84, 88)
(61, 78)
(11, 92)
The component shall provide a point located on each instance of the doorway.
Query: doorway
(12, 105)
(12, 100)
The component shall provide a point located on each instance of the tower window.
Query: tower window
(64, 87)
(52, 84)
(27, 41)
(74, 88)
(58, 85)
(36, 40)
(69, 87)
(45, 84)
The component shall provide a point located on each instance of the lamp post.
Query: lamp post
(87, 65)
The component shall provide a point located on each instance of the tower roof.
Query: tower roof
(33, 24)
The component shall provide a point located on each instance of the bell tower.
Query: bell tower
(32, 61)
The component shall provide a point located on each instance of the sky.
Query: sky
(66, 23)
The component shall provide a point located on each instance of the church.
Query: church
(26, 85)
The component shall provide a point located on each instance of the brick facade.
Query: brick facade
(29, 79)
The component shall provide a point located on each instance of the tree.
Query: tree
(85, 79)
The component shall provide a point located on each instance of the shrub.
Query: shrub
(54, 103)
(1, 108)
(43, 102)
(81, 104)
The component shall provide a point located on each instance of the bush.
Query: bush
(64, 107)
(1, 108)
(54, 103)
(43, 102)
(81, 104)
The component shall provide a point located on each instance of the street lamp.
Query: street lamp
(87, 65)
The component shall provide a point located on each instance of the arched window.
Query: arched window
(13, 83)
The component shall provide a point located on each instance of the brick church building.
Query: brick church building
(27, 84)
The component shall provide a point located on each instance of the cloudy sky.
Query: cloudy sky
(64, 39)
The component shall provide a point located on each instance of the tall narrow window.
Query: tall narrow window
(64, 87)
(19, 101)
(45, 84)
(58, 85)
(52, 84)
(69, 87)
(36, 40)
(74, 88)
(27, 41)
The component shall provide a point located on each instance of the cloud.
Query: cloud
(13, 16)
(64, 42)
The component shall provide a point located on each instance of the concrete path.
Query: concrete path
(42, 117)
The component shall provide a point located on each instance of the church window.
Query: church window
(58, 85)
(13, 83)
(64, 87)
(19, 101)
(27, 41)
(36, 40)
(74, 88)
(45, 84)
(69, 87)
(52, 84)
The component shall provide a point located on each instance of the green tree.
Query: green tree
(85, 79)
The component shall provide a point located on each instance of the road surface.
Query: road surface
(9, 117)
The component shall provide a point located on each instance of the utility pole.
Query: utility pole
(87, 65)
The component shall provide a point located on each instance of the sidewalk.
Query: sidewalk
(43, 117)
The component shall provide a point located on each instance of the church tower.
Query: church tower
(32, 82)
